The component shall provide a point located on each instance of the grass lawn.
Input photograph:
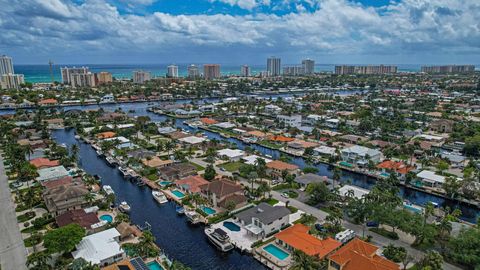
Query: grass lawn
(272, 201)
(270, 144)
(197, 167)
(231, 166)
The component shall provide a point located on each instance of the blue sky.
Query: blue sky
(240, 31)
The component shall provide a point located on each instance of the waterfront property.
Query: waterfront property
(360, 155)
(101, 248)
(263, 219)
(223, 192)
(63, 198)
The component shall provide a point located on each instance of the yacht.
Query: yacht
(159, 196)
(108, 189)
(192, 217)
(111, 161)
(107, 99)
(219, 238)
(180, 210)
(77, 137)
(124, 171)
(124, 207)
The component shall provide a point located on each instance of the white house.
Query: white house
(292, 121)
(360, 155)
(231, 154)
(101, 248)
(332, 123)
(252, 159)
(430, 178)
(264, 219)
(272, 109)
(192, 140)
(324, 151)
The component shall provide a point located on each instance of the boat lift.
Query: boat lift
(145, 227)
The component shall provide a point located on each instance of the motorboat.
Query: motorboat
(159, 196)
(180, 210)
(123, 170)
(108, 189)
(111, 160)
(192, 217)
(219, 238)
(77, 137)
(124, 207)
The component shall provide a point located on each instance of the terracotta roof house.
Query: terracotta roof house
(191, 184)
(64, 198)
(41, 163)
(276, 167)
(398, 167)
(177, 171)
(67, 180)
(77, 216)
(298, 238)
(257, 133)
(106, 135)
(48, 101)
(208, 121)
(359, 255)
(156, 162)
(221, 192)
(280, 138)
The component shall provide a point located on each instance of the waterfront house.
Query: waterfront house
(297, 237)
(192, 140)
(63, 198)
(51, 173)
(222, 192)
(305, 179)
(230, 154)
(360, 155)
(140, 154)
(106, 135)
(300, 145)
(430, 179)
(359, 255)
(101, 248)
(276, 167)
(332, 123)
(191, 184)
(77, 216)
(252, 159)
(272, 109)
(176, 171)
(398, 167)
(323, 150)
(264, 219)
(42, 163)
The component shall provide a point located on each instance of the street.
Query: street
(12, 249)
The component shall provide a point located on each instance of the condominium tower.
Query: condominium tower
(308, 66)
(274, 66)
(193, 72)
(172, 71)
(211, 71)
(245, 71)
(140, 76)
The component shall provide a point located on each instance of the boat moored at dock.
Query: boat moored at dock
(124, 207)
(219, 238)
(159, 197)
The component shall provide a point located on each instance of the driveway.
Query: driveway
(12, 249)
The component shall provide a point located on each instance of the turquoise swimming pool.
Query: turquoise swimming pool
(208, 210)
(154, 266)
(178, 194)
(231, 226)
(107, 218)
(384, 174)
(276, 252)
(164, 183)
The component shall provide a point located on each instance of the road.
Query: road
(12, 249)
(377, 239)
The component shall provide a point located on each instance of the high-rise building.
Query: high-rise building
(82, 80)
(211, 71)
(193, 72)
(140, 76)
(172, 71)
(6, 65)
(68, 72)
(274, 66)
(448, 69)
(381, 69)
(245, 71)
(308, 66)
(11, 81)
(294, 71)
(104, 77)
(8, 78)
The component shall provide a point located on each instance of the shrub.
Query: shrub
(383, 232)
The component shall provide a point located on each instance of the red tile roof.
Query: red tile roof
(360, 255)
(398, 167)
(298, 237)
(77, 216)
(280, 165)
(192, 183)
(44, 163)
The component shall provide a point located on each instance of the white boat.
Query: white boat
(124, 171)
(108, 189)
(77, 137)
(124, 207)
(219, 238)
(111, 160)
(159, 196)
(192, 216)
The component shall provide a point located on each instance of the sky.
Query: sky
(240, 31)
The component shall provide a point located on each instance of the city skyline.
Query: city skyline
(240, 32)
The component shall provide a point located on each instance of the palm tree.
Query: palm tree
(39, 260)
(75, 151)
(89, 198)
(302, 261)
(337, 174)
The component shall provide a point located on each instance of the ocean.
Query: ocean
(41, 73)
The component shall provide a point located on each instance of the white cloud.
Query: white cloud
(244, 4)
(50, 27)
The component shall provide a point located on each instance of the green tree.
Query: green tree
(452, 186)
(442, 166)
(302, 261)
(393, 253)
(318, 192)
(63, 239)
(464, 248)
(210, 173)
(432, 260)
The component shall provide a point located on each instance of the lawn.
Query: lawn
(231, 166)
(270, 144)
(197, 167)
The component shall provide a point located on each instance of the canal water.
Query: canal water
(173, 233)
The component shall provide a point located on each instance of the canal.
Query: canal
(173, 233)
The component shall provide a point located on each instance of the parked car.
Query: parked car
(372, 224)
(285, 195)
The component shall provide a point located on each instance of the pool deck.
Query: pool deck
(172, 196)
(271, 261)
(240, 239)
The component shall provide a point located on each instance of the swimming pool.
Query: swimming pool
(178, 194)
(107, 218)
(276, 252)
(208, 210)
(231, 226)
(154, 266)
(164, 183)
(384, 174)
